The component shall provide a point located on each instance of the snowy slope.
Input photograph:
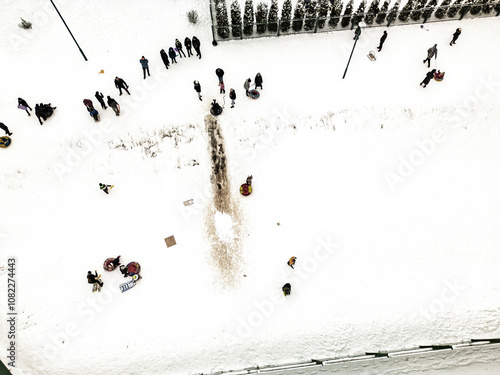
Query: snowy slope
(384, 262)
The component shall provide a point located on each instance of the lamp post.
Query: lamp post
(85, 57)
(357, 33)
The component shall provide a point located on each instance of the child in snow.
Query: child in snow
(94, 279)
(105, 187)
(116, 261)
(232, 96)
(178, 45)
(124, 270)
(172, 55)
(222, 88)
(249, 180)
(197, 88)
(291, 261)
(439, 76)
(22, 104)
(287, 289)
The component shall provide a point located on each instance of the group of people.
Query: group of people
(172, 53)
(42, 111)
(432, 52)
(232, 93)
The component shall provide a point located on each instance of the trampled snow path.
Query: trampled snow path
(224, 224)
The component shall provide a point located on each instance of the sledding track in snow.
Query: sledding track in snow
(223, 219)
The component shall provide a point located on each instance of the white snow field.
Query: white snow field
(386, 192)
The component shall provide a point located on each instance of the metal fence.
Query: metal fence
(349, 21)
(325, 366)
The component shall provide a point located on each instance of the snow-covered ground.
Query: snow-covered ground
(385, 191)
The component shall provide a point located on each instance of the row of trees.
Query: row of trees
(309, 14)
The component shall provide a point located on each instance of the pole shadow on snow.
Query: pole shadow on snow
(223, 219)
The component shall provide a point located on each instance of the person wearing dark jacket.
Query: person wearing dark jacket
(94, 279)
(124, 270)
(172, 55)
(164, 58)
(258, 81)
(22, 104)
(456, 34)
(5, 128)
(100, 98)
(178, 45)
(428, 78)
(145, 67)
(382, 40)
(44, 111)
(121, 84)
(220, 73)
(105, 187)
(196, 46)
(431, 52)
(116, 262)
(114, 105)
(232, 96)
(287, 289)
(187, 44)
(197, 88)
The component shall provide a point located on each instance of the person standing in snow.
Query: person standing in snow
(22, 104)
(5, 128)
(232, 96)
(178, 45)
(431, 52)
(196, 46)
(428, 78)
(456, 34)
(104, 187)
(291, 261)
(246, 85)
(145, 67)
(222, 88)
(197, 88)
(187, 44)
(287, 289)
(249, 180)
(121, 84)
(164, 58)
(172, 55)
(94, 279)
(258, 81)
(382, 40)
(114, 105)
(100, 97)
(220, 73)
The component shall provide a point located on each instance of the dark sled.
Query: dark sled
(5, 142)
(254, 94)
(216, 109)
